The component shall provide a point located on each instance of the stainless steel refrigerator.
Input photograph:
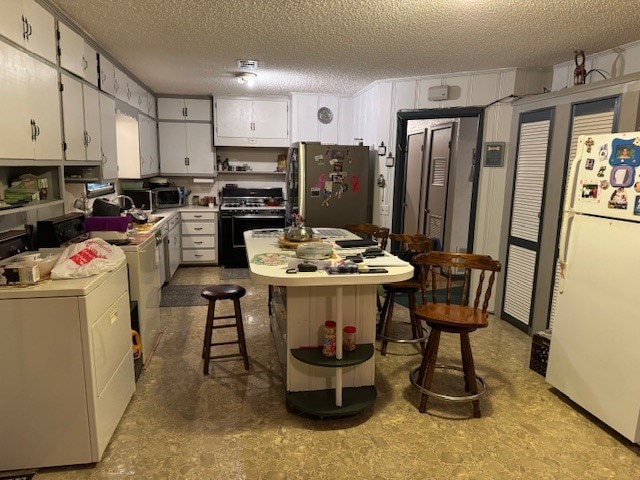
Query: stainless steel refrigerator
(330, 185)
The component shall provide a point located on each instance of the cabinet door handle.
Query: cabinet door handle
(88, 138)
(128, 94)
(104, 158)
(198, 243)
(24, 28)
(197, 255)
(33, 130)
(103, 76)
(116, 85)
(197, 216)
(85, 64)
(186, 111)
(197, 229)
(29, 28)
(37, 130)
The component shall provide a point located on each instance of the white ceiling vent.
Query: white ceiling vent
(248, 64)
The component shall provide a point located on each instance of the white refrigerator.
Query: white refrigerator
(594, 356)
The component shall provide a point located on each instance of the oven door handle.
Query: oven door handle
(257, 216)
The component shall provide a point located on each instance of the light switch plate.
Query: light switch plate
(384, 209)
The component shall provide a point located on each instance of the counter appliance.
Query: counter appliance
(594, 355)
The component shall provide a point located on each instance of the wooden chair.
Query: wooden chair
(370, 230)
(413, 245)
(451, 318)
(374, 232)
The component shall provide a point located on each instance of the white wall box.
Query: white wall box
(186, 148)
(30, 102)
(251, 122)
(81, 116)
(191, 109)
(30, 26)
(90, 65)
(71, 51)
(199, 236)
(107, 76)
(108, 143)
(82, 329)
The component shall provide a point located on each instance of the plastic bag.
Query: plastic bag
(87, 258)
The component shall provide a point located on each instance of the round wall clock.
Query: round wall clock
(325, 115)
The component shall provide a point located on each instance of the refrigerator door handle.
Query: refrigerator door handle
(565, 239)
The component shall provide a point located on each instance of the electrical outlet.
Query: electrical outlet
(384, 209)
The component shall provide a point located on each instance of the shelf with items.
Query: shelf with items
(28, 187)
(296, 316)
(251, 160)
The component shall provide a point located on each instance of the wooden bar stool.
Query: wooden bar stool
(411, 244)
(214, 293)
(451, 318)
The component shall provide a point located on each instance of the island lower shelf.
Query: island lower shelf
(322, 403)
(314, 356)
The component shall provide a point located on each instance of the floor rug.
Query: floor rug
(234, 273)
(441, 295)
(182, 296)
(17, 476)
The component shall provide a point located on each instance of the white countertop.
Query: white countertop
(56, 288)
(276, 275)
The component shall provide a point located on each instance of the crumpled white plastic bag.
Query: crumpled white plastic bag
(84, 259)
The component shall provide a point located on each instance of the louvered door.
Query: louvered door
(526, 216)
(588, 118)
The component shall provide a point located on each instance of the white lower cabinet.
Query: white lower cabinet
(199, 229)
(66, 368)
(175, 244)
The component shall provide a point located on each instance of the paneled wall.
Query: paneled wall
(614, 63)
(375, 121)
(305, 126)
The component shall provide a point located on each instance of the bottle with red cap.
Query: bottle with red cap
(329, 345)
(349, 338)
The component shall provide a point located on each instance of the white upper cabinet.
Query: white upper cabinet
(29, 25)
(29, 97)
(186, 148)
(71, 51)
(92, 141)
(122, 85)
(108, 144)
(251, 122)
(107, 76)
(81, 115)
(136, 146)
(190, 109)
(151, 105)
(91, 65)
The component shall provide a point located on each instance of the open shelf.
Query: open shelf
(322, 403)
(313, 356)
(250, 172)
(30, 206)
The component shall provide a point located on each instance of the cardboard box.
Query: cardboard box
(19, 274)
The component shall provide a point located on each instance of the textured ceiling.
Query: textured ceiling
(341, 46)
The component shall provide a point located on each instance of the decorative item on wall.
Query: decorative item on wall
(382, 149)
(325, 115)
(381, 181)
(580, 72)
(389, 160)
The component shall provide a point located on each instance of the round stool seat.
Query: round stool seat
(223, 292)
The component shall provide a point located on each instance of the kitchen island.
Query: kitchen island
(300, 303)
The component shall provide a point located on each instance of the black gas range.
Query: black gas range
(245, 209)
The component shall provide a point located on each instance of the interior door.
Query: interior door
(413, 188)
(438, 180)
(523, 244)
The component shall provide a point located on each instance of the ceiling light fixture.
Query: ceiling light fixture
(246, 78)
